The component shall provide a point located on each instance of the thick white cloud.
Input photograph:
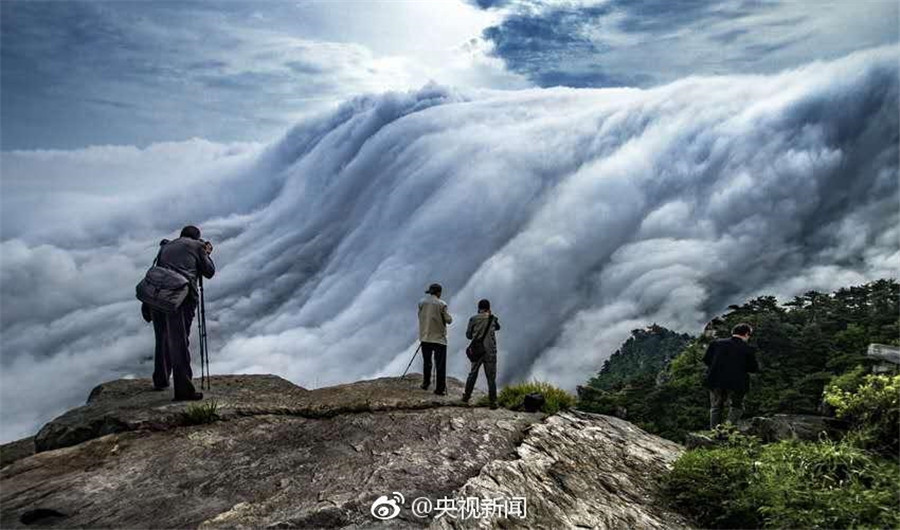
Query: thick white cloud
(581, 214)
(55, 195)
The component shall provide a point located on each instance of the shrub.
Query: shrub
(727, 435)
(848, 381)
(592, 399)
(201, 413)
(873, 410)
(824, 485)
(555, 399)
(710, 486)
(788, 484)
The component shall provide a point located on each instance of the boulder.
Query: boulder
(694, 440)
(793, 426)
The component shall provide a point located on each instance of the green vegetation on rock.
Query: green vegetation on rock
(513, 396)
(201, 413)
(787, 484)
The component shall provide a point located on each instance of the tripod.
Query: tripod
(411, 360)
(204, 352)
(433, 366)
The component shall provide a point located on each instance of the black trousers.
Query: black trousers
(490, 372)
(717, 399)
(172, 356)
(440, 359)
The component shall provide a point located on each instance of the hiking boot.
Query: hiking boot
(465, 399)
(440, 392)
(494, 406)
(197, 396)
(424, 386)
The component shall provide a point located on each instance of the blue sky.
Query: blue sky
(76, 74)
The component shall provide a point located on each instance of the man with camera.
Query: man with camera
(189, 256)
(482, 327)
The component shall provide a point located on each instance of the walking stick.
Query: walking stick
(204, 353)
(411, 360)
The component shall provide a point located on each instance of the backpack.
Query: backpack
(476, 349)
(533, 402)
(162, 289)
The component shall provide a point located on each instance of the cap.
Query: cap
(434, 288)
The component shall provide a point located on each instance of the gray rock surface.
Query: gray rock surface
(258, 471)
(292, 458)
(130, 404)
(698, 440)
(580, 470)
(793, 426)
(775, 428)
(12, 451)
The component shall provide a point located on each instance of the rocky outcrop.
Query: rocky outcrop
(768, 429)
(580, 470)
(793, 427)
(702, 439)
(294, 458)
(129, 404)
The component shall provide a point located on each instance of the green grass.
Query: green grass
(201, 413)
(792, 484)
(788, 484)
(512, 396)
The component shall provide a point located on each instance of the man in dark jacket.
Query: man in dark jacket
(730, 362)
(189, 256)
(478, 326)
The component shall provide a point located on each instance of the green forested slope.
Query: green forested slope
(640, 358)
(810, 348)
(801, 346)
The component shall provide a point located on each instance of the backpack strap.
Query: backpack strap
(162, 244)
(486, 328)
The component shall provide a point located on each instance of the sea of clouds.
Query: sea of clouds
(581, 214)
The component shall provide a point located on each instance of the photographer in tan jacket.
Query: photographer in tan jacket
(433, 320)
